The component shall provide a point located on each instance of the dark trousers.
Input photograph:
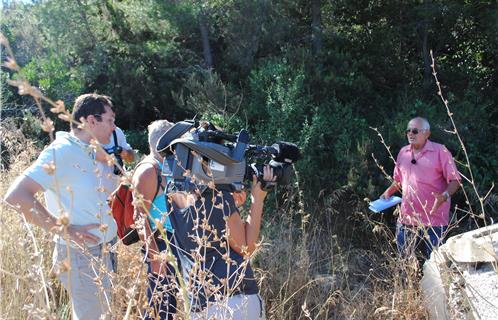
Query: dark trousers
(162, 289)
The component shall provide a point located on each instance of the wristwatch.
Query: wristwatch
(446, 195)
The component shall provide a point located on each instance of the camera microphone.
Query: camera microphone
(286, 152)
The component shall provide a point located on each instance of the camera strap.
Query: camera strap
(115, 137)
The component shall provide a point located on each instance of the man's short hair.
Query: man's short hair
(423, 121)
(89, 104)
(156, 130)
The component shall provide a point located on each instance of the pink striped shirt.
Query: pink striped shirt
(432, 172)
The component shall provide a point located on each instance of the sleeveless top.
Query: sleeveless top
(159, 209)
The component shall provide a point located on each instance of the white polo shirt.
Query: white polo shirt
(72, 183)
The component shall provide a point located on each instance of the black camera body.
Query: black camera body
(282, 154)
(207, 157)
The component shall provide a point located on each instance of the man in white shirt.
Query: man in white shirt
(76, 211)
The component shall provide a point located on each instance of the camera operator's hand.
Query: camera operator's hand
(257, 193)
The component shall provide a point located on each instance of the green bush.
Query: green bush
(53, 76)
(138, 140)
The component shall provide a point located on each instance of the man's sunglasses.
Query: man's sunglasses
(414, 131)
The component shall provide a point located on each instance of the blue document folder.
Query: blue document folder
(382, 204)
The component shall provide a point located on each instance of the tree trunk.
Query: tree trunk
(427, 59)
(424, 37)
(206, 47)
(316, 27)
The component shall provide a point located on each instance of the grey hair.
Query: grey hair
(156, 130)
(423, 121)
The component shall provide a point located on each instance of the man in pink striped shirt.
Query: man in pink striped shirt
(426, 174)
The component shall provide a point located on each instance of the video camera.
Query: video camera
(204, 155)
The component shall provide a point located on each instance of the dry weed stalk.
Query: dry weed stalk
(467, 163)
(24, 272)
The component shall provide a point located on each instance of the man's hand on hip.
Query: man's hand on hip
(81, 234)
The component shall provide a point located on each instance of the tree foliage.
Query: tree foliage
(317, 73)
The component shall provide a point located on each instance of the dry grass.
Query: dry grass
(21, 268)
(317, 275)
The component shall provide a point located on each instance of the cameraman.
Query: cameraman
(214, 245)
(122, 151)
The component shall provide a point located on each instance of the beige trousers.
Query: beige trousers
(87, 281)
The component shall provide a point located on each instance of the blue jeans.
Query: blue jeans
(162, 289)
(409, 239)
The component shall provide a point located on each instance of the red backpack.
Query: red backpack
(121, 203)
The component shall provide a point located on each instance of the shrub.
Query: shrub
(138, 140)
